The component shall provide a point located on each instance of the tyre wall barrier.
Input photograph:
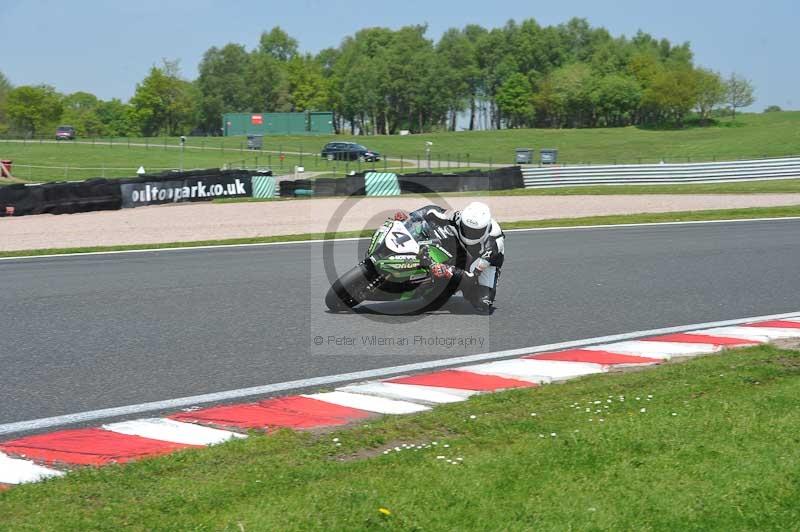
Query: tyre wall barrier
(182, 187)
(60, 198)
(416, 183)
(112, 194)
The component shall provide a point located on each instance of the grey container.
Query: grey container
(548, 156)
(524, 155)
(254, 142)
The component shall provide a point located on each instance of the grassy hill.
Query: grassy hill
(751, 135)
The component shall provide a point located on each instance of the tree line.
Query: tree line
(381, 81)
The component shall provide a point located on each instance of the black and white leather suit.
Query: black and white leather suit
(478, 279)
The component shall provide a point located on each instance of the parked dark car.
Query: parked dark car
(349, 151)
(65, 133)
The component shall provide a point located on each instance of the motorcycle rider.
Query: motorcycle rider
(473, 231)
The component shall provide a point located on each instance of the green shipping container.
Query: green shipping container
(308, 123)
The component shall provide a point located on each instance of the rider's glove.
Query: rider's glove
(481, 264)
(441, 271)
(400, 216)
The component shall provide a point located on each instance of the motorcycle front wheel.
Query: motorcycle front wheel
(351, 288)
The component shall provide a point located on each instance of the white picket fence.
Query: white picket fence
(654, 174)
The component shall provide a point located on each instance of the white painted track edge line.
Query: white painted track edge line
(346, 239)
(648, 224)
(182, 248)
(154, 406)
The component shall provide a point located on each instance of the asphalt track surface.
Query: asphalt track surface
(89, 332)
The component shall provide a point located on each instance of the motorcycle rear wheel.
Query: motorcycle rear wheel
(442, 297)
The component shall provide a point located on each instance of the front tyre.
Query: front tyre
(351, 288)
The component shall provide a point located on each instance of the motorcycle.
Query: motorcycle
(397, 268)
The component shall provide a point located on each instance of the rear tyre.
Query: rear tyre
(351, 288)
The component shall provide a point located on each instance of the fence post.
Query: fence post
(401, 163)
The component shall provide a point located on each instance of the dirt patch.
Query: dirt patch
(788, 343)
(396, 446)
(215, 221)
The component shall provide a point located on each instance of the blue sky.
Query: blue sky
(106, 47)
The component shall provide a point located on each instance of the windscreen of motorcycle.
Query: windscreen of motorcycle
(400, 240)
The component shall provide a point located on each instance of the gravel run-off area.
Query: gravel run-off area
(212, 221)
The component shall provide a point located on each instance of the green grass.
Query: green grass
(722, 214)
(50, 161)
(715, 449)
(751, 135)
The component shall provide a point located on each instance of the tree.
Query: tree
(278, 44)
(575, 83)
(459, 71)
(616, 99)
(710, 92)
(80, 112)
(739, 93)
(308, 87)
(514, 99)
(773, 109)
(32, 109)
(118, 119)
(164, 103)
(5, 88)
(671, 95)
(222, 84)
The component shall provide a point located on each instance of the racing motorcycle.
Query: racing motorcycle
(397, 268)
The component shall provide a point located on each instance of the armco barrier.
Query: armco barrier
(717, 172)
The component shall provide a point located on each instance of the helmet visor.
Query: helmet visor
(472, 234)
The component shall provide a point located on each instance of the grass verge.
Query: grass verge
(722, 214)
(705, 445)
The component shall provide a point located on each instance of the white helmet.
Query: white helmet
(474, 223)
